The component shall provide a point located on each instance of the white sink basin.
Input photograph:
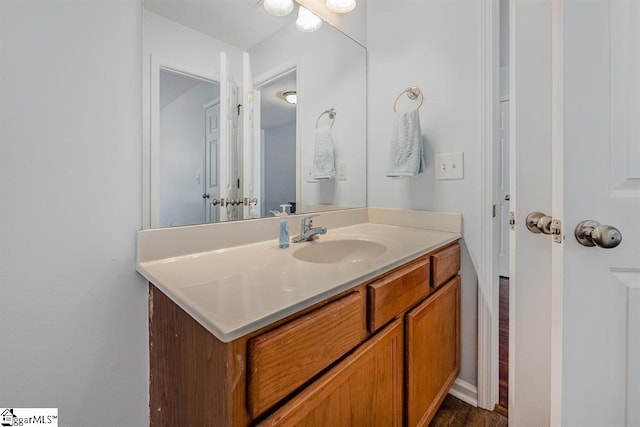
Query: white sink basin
(339, 251)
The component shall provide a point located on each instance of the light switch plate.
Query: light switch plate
(449, 166)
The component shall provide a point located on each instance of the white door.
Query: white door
(530, 267)
(575, 310)
(230, 189)
(600, 307)
(251, 210)
(211, 161)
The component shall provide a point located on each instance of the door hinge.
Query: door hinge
(556, 231)
(495, 208)
(512, 221)
(239, 106)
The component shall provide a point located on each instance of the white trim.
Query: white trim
(465, 392)
(274, 74)
(488, 284)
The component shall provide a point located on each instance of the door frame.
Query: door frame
(488, 277)
(258, 83)
(488, 280)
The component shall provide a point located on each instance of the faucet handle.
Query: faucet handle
(307, 221)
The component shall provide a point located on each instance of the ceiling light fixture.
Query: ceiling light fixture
(288, 96)
(278, 7)
(307, 21)
(341, 6)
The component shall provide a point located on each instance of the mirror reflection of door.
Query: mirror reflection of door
(211, 159)
(184, 186)
(278, 143)
(230, 170)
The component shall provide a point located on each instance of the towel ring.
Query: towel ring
(332, 115)
(412, 92)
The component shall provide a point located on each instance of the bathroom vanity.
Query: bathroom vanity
(368, 341)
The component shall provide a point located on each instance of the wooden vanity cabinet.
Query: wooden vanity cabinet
(383, 353)
(433, 352)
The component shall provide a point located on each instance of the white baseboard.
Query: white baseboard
(464, 391)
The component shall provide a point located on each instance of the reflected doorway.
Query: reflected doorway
(188, 130)
(278, 146)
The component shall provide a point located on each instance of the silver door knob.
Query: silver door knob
(592, 233)
(537, 222)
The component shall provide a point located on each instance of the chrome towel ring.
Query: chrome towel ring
(413, 92)
(332, 115)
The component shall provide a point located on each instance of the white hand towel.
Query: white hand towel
(405, 152)
(324, 166)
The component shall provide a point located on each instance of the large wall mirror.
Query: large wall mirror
(243, 113)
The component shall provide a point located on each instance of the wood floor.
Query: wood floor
(456, 413)
(503, 347)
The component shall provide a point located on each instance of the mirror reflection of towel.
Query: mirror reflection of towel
(324, 165)
(405, 152)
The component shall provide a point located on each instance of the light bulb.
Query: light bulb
(307, 21)
(341, 6)
(278, 7)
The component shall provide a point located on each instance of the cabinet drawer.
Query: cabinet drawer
(397, 291)
(365, 389)
(446, 264)
(283, 359)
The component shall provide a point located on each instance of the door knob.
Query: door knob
(537, 222)
(592, 233)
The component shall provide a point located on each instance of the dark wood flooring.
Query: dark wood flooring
(503, 347)
(456, 413)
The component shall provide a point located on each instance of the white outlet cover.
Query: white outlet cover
(342, 172)
(449, 166)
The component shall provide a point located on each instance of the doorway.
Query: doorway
(278, 145)
(184, 177)
(503, 213)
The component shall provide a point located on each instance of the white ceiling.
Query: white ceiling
(242, 23)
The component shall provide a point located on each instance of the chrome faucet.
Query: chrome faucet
(308, 231)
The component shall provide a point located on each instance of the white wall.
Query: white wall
(74, 311)
(280, 157)
(182, 177)
(331, 72)
(435, 45)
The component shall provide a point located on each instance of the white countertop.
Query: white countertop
(237, 290)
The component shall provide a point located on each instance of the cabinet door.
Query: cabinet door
(433, 352)
(363, 390)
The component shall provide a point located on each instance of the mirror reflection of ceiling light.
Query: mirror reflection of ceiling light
(278, 7)
(288, 96)
(307, 21)
(341, 6)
